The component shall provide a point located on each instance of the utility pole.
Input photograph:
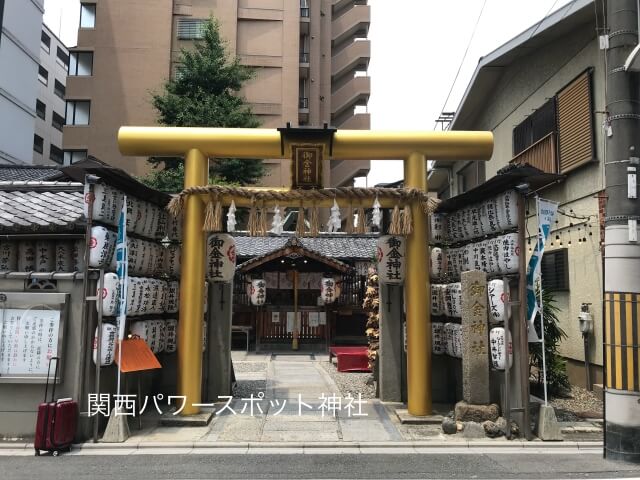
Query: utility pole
(622, 250)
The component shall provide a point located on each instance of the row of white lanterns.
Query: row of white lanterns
(499, 255)
(446, 299)
(489, 217)
(145, 296)
(447, 340)
(257, 291)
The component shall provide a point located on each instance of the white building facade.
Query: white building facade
(21, 22)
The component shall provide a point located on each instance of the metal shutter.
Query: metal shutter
(575, 124)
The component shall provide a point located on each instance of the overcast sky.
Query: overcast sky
(417, 47)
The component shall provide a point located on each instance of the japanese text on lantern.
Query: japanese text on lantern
(215, 257)
(307, 166)
(394, 259)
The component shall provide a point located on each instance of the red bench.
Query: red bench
(350, 359)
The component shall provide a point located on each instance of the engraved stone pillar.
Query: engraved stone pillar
(475, 341)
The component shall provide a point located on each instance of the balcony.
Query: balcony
(344, 171)
(354, 121)
(353, 24)
(354, 92)
(541, 155)
(340, 6)
(303, 110)
(305, 20)
(304, 64)
(354, 57)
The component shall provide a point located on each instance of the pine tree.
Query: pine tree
(205, 93)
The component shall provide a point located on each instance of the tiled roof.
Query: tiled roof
(342, 246)
(29, 172)
(33, 207)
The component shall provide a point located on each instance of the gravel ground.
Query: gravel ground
(250, 366)
(581, 404)
(244, 388)
(350, 382)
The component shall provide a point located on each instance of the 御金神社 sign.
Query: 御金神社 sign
(307, 166)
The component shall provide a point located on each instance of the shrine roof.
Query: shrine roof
(40, 207)
(341, 246)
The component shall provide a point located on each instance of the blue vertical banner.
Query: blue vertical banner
(122, 270)
(546, 212)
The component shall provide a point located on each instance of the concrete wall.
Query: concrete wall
(523, 87)
(54, 103)
(19, 57)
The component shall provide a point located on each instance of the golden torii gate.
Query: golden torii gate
(198, 144)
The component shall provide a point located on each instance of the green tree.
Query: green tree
(205, 93)
(557, 379)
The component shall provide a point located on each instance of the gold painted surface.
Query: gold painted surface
(416, 294)
(192, 288)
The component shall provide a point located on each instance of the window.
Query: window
(56, 154)
(555, 270)
(74, 156)
(45, 42)
(38, 144)
(304, 8)
(59, 89)
(62, 58)
(575, 124)
(536, 126)
(81, 63)
(191, 28)
(87, 15)
(470, 176)
(57, 121)
(78, 112)
(43, 75)
(41, 109)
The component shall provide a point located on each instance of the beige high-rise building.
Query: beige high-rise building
(310, 56)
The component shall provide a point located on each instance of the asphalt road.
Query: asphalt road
(321, 466)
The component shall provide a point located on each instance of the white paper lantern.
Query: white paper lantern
(158, 268)
(164, 292)
(460, 252)
(162, 224)
(107, 342)
(162, 335)
(464, 216)
(437, 261)
(221, 257)
(102, 246)
(509, 253)
(508, 210)
(328, 290)
(45, 256)
(143, 209)
(174, 228)
(500, 348)
(391, 259)
(172, 260)
(492, 247)
(454, 259)
(142, 329)
(171, 335)
(132, 213)
(475, 261)
(257, 290)
(491, 207)
(438, 228)
(457, 340)
(448, 338)
(437, 301)
(173, 296)
(467, 255)
(132, 290)
(449, 256)
(64, 252)
(453, 300)
(101, 202)
(8, 256)
(475, 226)
(484, 218)
(117, 200)
(438, 340)
(496, 297)
(154, 341)
(109, 295)
(142, 259)
(26, 256)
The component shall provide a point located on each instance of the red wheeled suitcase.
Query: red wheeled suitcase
(57, 420)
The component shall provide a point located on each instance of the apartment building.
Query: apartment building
(542, 96)
(50, 103)
(310, 56)
(20, 26)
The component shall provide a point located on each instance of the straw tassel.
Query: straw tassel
(209, 213)
(314, 222)
(407, 221)
(362, 221)
(176, 205)
(395, 227)
(350, 228)
(300, 227)
(252, 224)
(263, 221)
